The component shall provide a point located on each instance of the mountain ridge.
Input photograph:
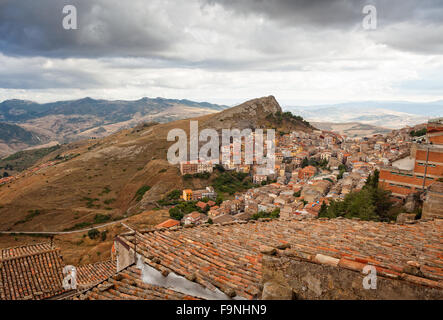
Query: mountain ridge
(70, 120)
(392, 115)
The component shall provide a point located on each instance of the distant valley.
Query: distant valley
(351, 129)
(392, 115)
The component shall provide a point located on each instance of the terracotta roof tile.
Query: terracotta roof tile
(168, 224)
(33, 275)
(23, 250)
(90, 274)
(227, 256)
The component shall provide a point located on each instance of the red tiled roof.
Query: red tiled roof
(23, 250)
(201, 204)
(33, 275)
(168, 224)
(127, 285)
(227, 256)
(90, 274)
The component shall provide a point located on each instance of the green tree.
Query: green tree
(175, 213)
(219, 200)
(263, 214)
(174, 194)
(370, 203)
(141, 192)
(323, 209)
(93, 234)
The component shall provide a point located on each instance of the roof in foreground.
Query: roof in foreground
(228, 257)
(34, 272)
(128, 285)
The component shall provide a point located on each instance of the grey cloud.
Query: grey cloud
(337, 13)
(105, 27)
(24, 79)
(423, 39)
(405, 25)
(114, 28)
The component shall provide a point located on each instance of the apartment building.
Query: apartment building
(427, 165)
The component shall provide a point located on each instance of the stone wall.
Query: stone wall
(290, 278)
(433, 206)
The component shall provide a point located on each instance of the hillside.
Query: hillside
(66, 121)
(14, 138)
(23, 160)
(103, 175)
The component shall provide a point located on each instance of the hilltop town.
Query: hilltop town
(330, 206)
(315, 168)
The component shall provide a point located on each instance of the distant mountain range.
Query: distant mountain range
(25, 123)
(391, 115)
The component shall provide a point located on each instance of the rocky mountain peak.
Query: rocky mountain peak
(248, 114)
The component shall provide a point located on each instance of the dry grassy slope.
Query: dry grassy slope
(79, 249)
(121, 163)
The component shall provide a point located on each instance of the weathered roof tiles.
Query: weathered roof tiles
(227, 256)
(90, 274)
(24, 250)
(37, 275)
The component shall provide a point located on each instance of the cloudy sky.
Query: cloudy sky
(301, 51)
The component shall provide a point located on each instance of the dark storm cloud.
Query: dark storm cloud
(405, 25)
(24, 79)
(337, 13)
(143, 29)
(30, 28)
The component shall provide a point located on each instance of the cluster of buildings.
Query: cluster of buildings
(300, 189)
(419, 173)
(198, 166)
(6, 180)
(28, 172)
(315, 167)
(195, 195)
(421, 168)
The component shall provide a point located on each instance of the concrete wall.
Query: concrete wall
(433, 206)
